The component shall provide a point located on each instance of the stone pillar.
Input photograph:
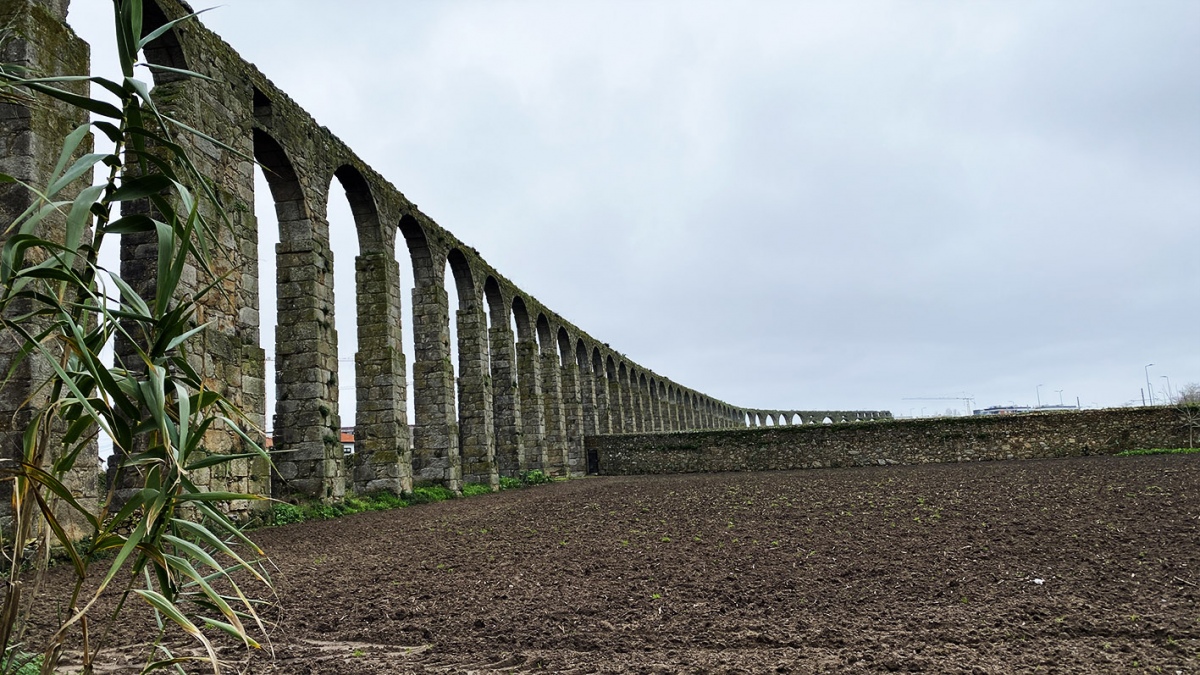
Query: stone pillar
(600, 387)
(475, 399)
(637, 404)
(533, 426)
(382, 453)
(654, 416)
(307, 428)
(436, 458)
(506, 402)
(587, 400)
(572, 398)
(629, 403)
(616, 401)
(31, 138)
(664, 412)
(552, 401)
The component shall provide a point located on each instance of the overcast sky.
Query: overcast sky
(809, 205)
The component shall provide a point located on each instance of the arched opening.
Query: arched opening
(571, 375)
(163, 50)
(552, 398)
(302, 336)
(634, 398)
(520, 319)
(506, 412)
(476, 438)
(356, 213)
(435, 437)
(533, 426)
(460, 294)
(405, 287)
(797, 419)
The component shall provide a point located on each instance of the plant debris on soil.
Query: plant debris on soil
(1083, 565)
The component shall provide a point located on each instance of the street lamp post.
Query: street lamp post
(1059, 392)
(1039, 394)
(1149, 389)
(1170, 394)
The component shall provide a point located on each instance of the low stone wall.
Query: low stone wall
(956, 439)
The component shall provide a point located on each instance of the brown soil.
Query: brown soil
(1064, 566)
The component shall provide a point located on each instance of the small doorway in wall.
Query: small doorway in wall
(593, 462)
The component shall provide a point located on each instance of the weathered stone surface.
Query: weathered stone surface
(31, 140)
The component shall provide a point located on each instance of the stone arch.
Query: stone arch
(305, 346)
(362, 207)
(587, 388)
(435, 448)
(554, 457)
(573, 400)
(623, 389)
(425, 273)
(506, 400)
(520, 316)
(616, 404)
(476, 432)
(497, 311)
(529, 379)
(677, 408)
(164, 50)
(634, 398)
(290, 205)
(667, 402)
(544, 334)
(464, 279)
(382, 450)
(601, 382)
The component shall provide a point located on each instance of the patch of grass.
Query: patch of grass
(430, 494)
(284, 513)
(476, 489)
(1158, 451)
(535, 477)
(21, 663)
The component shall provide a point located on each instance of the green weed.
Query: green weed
(284, 513)
(476, 489)
(535, 477)
(1158, 451)
(430, 494)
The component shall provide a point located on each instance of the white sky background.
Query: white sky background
(809, 205)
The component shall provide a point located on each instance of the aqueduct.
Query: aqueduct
(528, 385)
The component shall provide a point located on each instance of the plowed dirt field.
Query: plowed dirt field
(1088, 565)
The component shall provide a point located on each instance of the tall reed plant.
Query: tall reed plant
(169, 548)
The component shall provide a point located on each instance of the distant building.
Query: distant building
(345, 437)
(1021, 409)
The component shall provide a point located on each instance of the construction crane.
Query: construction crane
(967, 400)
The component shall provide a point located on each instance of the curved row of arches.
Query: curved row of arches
(498, 382)
(785, 418)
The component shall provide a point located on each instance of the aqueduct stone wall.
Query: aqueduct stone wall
(528, 397)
